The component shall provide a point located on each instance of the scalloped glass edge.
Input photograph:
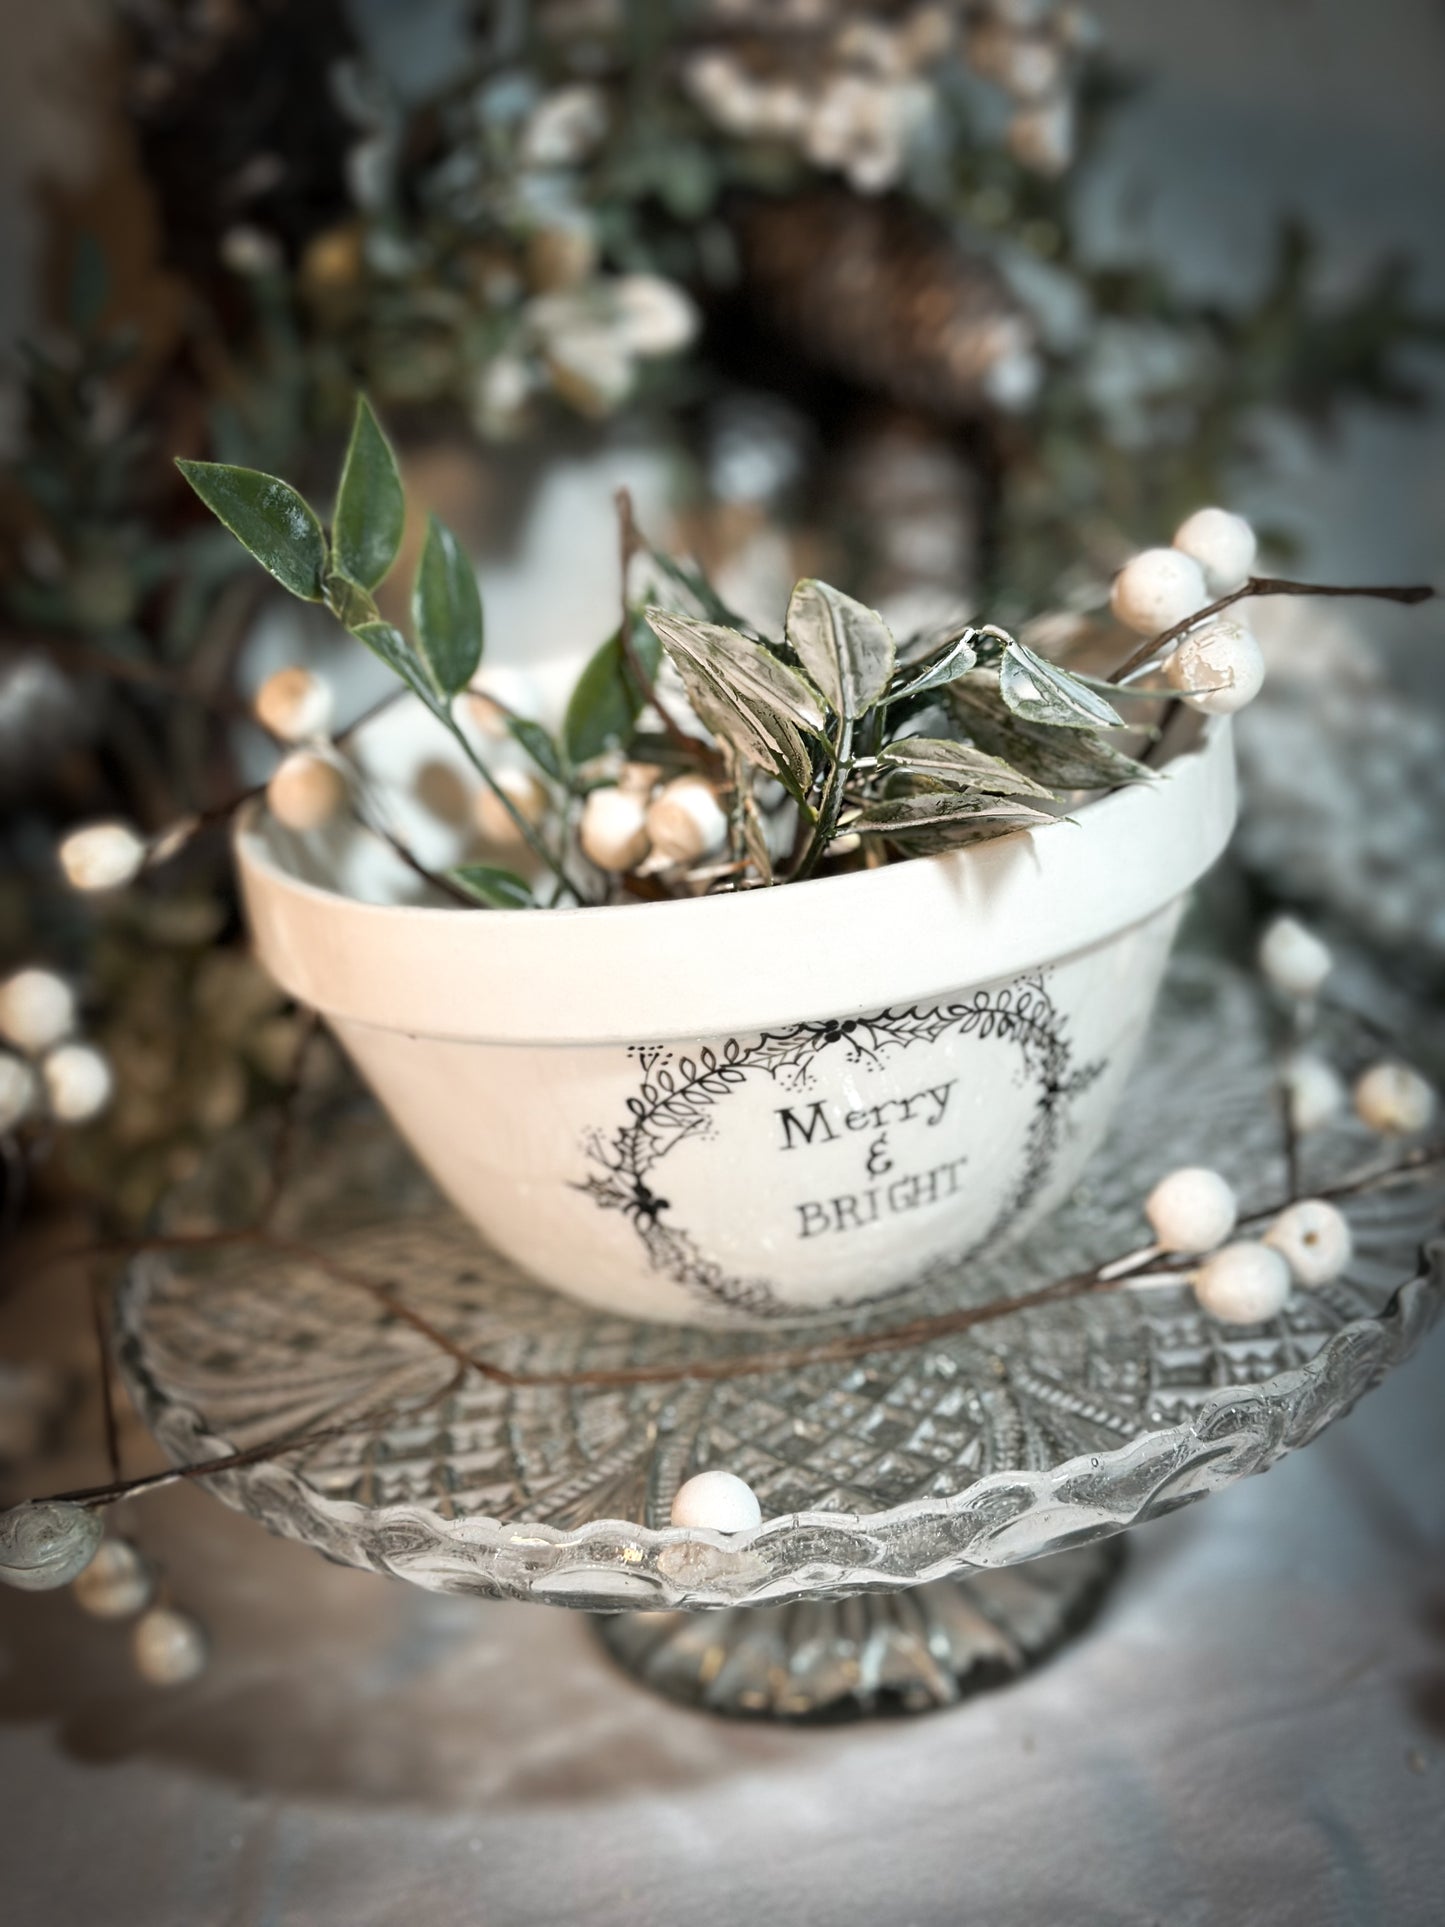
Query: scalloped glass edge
(1002, 1519)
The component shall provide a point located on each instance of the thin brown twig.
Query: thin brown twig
(1260, 585)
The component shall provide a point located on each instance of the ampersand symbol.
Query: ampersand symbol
(878, 1158)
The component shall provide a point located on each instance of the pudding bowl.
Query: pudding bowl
(773, 1105)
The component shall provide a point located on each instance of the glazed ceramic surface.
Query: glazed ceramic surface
(773, 1105)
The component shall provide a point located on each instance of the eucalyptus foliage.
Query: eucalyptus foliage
(827, 746)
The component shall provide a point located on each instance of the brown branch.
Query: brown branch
(1260, 585)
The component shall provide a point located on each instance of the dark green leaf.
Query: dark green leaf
(268, 518)
(539, 746)
(744, 694)
(845, 647)
(1038, 691)
(961, 765)
(370, 505)
(352, 606)
(1062, 759)
(498, 889)
(446, 607)
(608, 698)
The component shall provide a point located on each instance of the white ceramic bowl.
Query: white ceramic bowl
(737, 1109)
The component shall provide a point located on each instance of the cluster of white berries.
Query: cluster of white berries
(853, 108)
(46, 1072)
(1026, 48)
(1389, 1098)
(1193, 1213)
(1219, 666)
(642, 823)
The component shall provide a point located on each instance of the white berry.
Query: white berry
(294, 704)
(306, 791)
(46, 1544)
(78, 1082)
(614, 828)
(1192, 1210)
(19, 1088)
(37, 1009)
(1156, 590)
(717, 1502)
(513, 689)
(1223, 545)
(1314, 1092)
(1243, 1285)
(1314, 1240)
(102, 856)
(685, 821)
(169, 1647)
(1293, 958)
(116, 1583)
(1217, 668)
(1394, 1100)
(527, 795)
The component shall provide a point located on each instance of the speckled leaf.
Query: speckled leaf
(944, 664)
(902, 816)
(1062, 759)
(744, 694)
(268, 518)
(963, 765)
(845, 647)
(1039, 691)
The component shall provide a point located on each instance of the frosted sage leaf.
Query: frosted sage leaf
(390, 644)
(1062, 759)
(846, 648)
(744, 695)
(268, 518)
(962, 765)
(498, 889)
(944, 664)
(446, 607)
(902, 816)
(608, 697)
(1039, 691)
(539, 746)
(370, 506)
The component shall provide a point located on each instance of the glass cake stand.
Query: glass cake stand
(938, 1515)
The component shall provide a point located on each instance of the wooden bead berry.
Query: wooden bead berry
(45, 1545)
(37, 1009)
(1223, 545)
(294, 704)
(1314, 1240)
(717, 1502)
(1394, 1100)
(169, 1647)
(1156, 590)
(1244, 1284)
(102, 856)
(306, 791)
(528, 797)
(79, 1082)
(685, 821)
(1191, 1211)
(1217, 668)
(116, 1583)
(1293, 958)
(614, 828)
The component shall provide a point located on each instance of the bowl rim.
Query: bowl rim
(690, 967)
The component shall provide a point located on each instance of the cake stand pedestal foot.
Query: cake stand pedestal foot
(896, 1652)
